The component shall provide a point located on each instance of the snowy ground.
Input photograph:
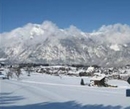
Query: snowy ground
(41, 91)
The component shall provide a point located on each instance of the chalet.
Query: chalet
(98, 80)
(115, 75)
(90, 71)
(124, 76)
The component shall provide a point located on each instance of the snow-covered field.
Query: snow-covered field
(42, 91)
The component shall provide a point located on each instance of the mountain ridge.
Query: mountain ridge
(46, 43)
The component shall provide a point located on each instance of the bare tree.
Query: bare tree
(29, 70)
(18, 72)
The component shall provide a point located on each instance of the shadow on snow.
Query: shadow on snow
(63, 105)
(6, 98)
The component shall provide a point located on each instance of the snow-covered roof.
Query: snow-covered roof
(2, 59)
(97, 74)
(124, 75)
(90, 69)
(2, 76)
(98, 77)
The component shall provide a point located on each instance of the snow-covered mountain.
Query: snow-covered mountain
(46, 43)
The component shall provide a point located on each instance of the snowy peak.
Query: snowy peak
(46, 43)
(36, 31)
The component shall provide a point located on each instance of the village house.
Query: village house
(98, 80)
(90, 70)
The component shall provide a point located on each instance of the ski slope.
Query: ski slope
(41, 91)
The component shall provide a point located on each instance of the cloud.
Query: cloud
(32, 34)
(115, 34)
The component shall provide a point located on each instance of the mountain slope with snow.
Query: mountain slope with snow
(46, 43)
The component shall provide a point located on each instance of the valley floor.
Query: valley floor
(41, 91)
